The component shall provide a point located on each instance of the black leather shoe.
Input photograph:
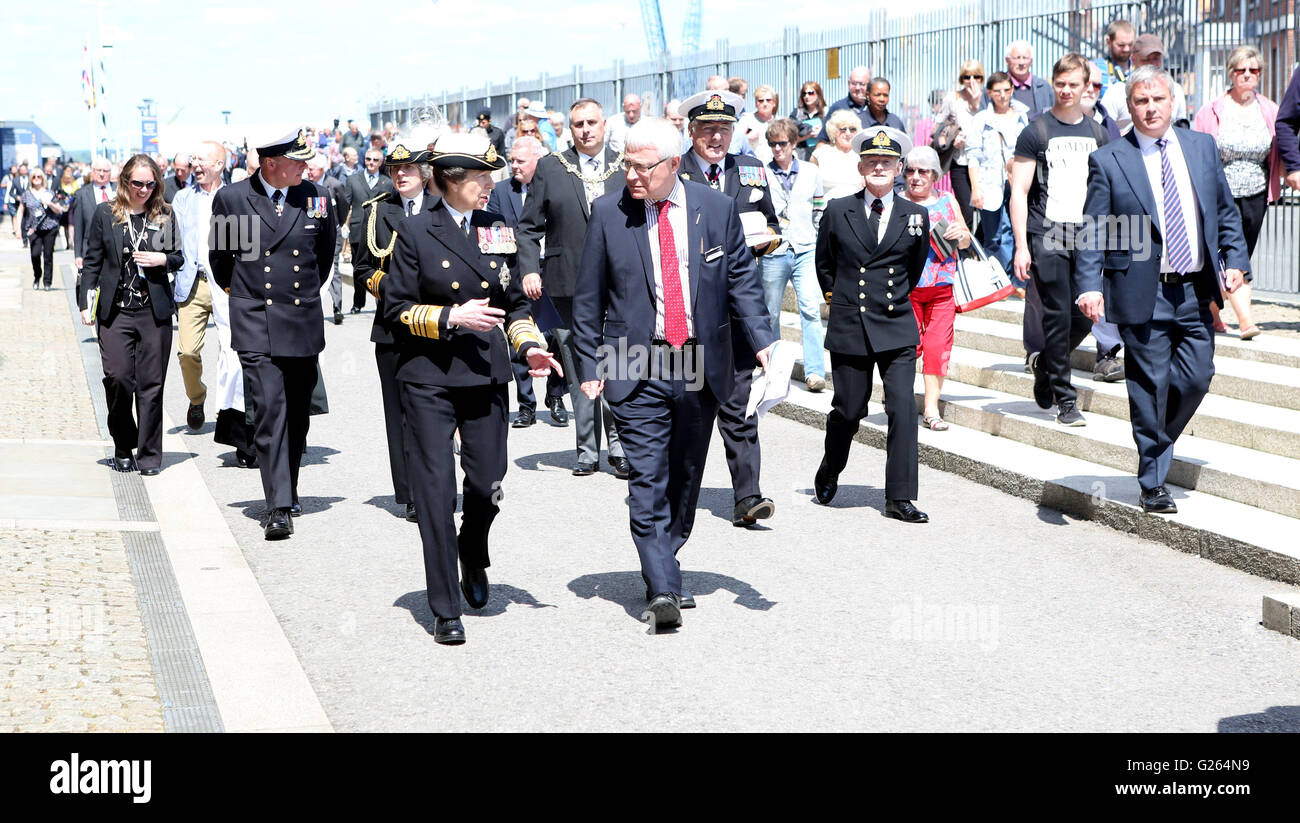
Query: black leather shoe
(582, 469)
(278, 525)
(664, 611)
(559, 414)
(825, 485)
(411, 516)
(245, 460)
(194, 417)
(1042, 381)
(526, 417)
(296, 509)
(752, 509)
(355, 310)
(905, 511)
(150, 472)
(124, 463)
(621, 465)
(448, 631)
(1158, 501)
(685, 600)
(474, 585)
(338, 316)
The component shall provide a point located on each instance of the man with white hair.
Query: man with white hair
(665, 275)
(317, 172)
(618, 126)
(1170, 178)
(1034, 92)
(179, 179)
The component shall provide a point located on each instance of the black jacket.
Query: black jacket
(557, 210)
(104, 259)
(378, 228)
(358, 194)
(436, 266)
(869, 286)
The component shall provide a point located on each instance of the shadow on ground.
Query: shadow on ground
(500, 597)
(627, 589)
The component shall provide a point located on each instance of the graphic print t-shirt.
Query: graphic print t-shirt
(1060, 183)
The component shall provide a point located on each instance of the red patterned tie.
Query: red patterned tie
(674, 307)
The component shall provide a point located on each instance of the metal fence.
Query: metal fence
(920, 54)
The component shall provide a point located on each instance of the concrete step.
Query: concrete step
(1227, 531)
(1273, 349)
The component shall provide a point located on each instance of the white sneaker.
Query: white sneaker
(815, 383)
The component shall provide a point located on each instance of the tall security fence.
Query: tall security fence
(921, 54)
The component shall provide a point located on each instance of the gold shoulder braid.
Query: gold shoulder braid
(380, 254)
(583, 176)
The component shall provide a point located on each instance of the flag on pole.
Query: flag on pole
(87, 85)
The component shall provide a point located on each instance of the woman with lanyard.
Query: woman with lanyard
(133, 243)
(451, 284)
(38, 215)
(411, 172)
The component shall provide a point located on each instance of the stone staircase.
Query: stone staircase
(1236, 472)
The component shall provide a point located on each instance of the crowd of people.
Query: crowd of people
(550, 229)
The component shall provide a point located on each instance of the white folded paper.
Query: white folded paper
(754, 224)
(772, 385)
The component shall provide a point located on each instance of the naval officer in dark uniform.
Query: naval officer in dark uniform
(871, 250)
(452, 284)
(273, 237)
(713, 116)
(410, 171)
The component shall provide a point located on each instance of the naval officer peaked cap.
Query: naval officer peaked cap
(467, 151)
(293, 146)
(713, 106)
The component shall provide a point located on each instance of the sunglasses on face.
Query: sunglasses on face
(778, 144)
(1095, 85)
(966, 77)
(810, 94)
(1255, 70)
(144, 185)
(909, 171)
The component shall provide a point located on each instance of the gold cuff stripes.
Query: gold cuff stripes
(423, 320)
(525, 331)
(372, 282)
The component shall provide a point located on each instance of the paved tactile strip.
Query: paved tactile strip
(187, 699)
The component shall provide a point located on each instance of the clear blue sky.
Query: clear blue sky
(268, 61)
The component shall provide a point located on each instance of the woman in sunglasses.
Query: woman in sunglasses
(1243, 123)
(133, 244)
(836, 160)
(38, 215)
(960, 105)
(809, 112)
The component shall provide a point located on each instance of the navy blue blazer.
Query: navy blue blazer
(614, 302)
(1118, 187)
(507, 200)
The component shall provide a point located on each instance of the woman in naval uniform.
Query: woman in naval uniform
(450, 286)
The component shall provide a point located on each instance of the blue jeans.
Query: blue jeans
(779, 268)
(996, 237)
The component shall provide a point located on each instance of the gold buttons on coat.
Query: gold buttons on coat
(863, 269)
(862, 308)
(295, 268)
(455, 284)
(297, 302)
(890, 307)
(485, 285)
(295, 252)
(268, 301)
(861, 296)
(268, 254)
(890, 283)
(862, 282)
(889, 295)
(891, 269)
(266, 269)
(295, 285)
(446, 264)
(493, 264)
(268, 285)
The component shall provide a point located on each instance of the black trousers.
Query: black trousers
(42, 248)
(1252, 211)
(740, 434)
(359, 283)
(1064, 326)
(666, 426)
(851, 375)
(394, 420)
(1168, 364)
(433, 414)
(556, 386)
(135, 349)
(960, 178)
(280, 390)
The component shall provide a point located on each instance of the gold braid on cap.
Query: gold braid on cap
(583, 176)
(422, 320)
(525, 331)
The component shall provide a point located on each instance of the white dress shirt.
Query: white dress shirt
(270, 192)
(704, 170)
(676, 219)
(459, 216)
(1186, 195)
(887, 202)
(411, 205)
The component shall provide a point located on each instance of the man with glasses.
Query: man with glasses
(361, 188)
(855, 101)
(871, 252)
(1034, 92)
(1148, 50)
(666, 273)
(100, 190)
(713, 116)
(556, 211)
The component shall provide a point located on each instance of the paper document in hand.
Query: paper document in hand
(754, 224)
(772, 385)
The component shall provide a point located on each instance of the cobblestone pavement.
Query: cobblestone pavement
(72, 645)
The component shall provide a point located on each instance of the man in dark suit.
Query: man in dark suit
(657, 341)
(371, 262)
(317, 172)
(361, 188)
(713, 116)
(558, 206)
(285, 241)
(179, 178)
(1169, 180)
(99, 190)
(508, 198)
(871, 251)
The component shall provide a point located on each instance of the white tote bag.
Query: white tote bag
(980, 280)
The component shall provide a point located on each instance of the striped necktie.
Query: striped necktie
(1178, 248)
(277, 198)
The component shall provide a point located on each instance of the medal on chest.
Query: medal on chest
(914, 225)
(504, 279)
(496, 240)
(752, 176)
(316, 207)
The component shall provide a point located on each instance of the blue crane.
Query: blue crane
(653, 21)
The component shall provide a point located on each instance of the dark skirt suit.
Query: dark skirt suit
(371, 259)
(135, 343)
(453, 379)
